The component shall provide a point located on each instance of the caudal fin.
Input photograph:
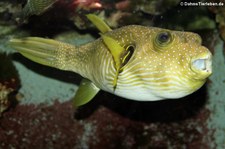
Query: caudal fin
(43, 51)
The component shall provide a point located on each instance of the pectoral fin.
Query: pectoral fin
(117, 52)
(86, 91)
(99, 23)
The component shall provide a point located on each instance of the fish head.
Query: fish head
(171, 64)
(183, 52)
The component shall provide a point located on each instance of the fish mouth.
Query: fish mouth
(202, 64)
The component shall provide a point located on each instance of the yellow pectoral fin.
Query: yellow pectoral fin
(86, 91)
(117, 52)
(99, 23)
(115, 49)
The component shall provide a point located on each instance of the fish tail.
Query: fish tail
(44, 51)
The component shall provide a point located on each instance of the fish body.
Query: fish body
(152, 63)
(152, 73)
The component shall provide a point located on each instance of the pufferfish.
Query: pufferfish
(134, 62)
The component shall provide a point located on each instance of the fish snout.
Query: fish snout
(202, 65)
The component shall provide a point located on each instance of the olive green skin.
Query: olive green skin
(164, 63)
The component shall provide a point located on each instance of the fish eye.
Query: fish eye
(163, 38)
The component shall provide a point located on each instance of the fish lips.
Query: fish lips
(202, 65)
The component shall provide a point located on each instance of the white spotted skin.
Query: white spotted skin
(164, 64)
(152, 73)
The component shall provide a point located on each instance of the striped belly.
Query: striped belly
(138, 83)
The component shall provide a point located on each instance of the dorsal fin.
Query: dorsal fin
(99, 23)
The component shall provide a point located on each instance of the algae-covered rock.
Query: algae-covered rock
(7, 11)
(9, 82)
(201, 22)
(220, 17)
(154, 7)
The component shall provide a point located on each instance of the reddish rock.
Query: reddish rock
(109, 122)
